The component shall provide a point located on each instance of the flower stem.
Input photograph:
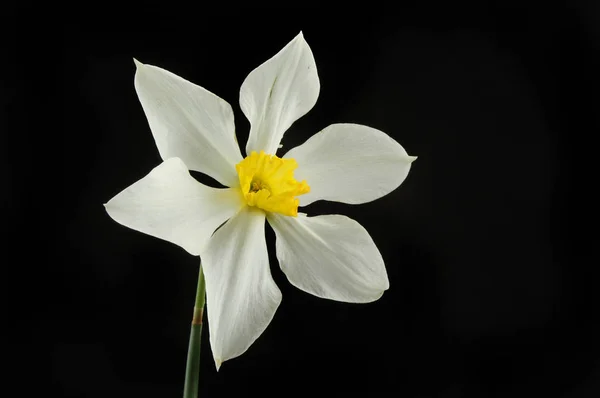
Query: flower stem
(192, 369)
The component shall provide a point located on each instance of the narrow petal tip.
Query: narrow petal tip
(137, 63)
(412, 159)
(218, 363)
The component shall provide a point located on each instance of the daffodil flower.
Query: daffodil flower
(329, 256)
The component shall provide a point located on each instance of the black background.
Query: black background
(486, 243)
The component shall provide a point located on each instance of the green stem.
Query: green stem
(192, 369)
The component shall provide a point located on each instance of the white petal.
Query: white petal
(350, 163)
(241, 296)
(190, 123)
(171, 205)
(330, 256)
(278, 93)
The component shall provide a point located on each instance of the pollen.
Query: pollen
(268, 182)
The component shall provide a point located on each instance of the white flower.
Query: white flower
(329, 256)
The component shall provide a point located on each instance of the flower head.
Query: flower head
(329, 256)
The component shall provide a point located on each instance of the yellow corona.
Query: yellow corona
(268, 182)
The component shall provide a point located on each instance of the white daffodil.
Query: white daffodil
(328, 256)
